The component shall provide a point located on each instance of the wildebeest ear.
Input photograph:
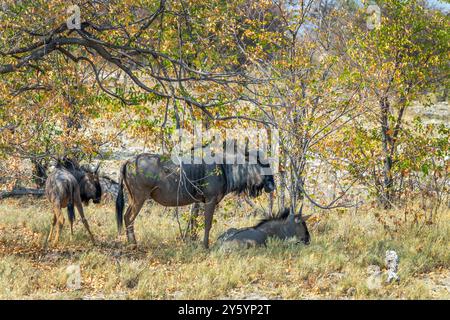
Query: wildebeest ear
(299, 218)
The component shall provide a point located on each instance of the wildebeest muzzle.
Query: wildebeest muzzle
(269, 184)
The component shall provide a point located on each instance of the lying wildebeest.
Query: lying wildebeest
(283, 227)
(67, 186)
(153, 176)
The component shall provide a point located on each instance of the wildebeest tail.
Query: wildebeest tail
(120, 202)
(70, 208)
(71, 212)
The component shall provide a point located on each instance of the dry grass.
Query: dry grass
(333, 266)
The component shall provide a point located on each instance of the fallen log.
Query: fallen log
(21, 192)
(109, 187)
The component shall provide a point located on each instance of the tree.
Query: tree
(181, 57)
(396, 63)
(306, 101)
(172, 51)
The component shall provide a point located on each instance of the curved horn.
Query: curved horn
(96, 168)
(300, 211)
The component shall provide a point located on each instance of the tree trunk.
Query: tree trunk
(282, 188)
(386, 195)
(21, 193)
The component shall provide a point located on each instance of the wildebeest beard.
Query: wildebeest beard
(238, 178)
(243, 178)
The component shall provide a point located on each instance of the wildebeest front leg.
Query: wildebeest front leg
(192, 226)
(129, 218)
(79, 207)
(210, 206)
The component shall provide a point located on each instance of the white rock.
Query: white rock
(391, 261)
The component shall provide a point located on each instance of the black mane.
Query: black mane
(282, 215)
(72, 166)
(238, 177)
(68, 163)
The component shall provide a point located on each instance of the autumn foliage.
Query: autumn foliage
(338, 91)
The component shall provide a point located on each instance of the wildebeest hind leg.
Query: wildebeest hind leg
(79, 207)
(50, 234)
(60, 221)
(130, 216)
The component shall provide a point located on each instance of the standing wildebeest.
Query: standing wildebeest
(67, 186)
(152, 176)
(283, 227)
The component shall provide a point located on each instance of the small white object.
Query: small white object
(73, 277)
(391, 261)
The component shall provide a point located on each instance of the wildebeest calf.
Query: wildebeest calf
(68, 186)
(284, 226)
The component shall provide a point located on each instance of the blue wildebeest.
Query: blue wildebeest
(68, 186)
(157, 177)
(283, 227)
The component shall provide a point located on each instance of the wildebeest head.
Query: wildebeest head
(247, 171)
(299, 223)
(300, 229)
(285, 226)
(269, 183)
(90, 186)
(264, 178)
